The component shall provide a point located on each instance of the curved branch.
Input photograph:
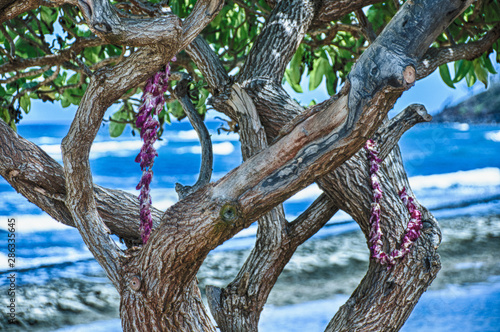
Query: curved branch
(238, 306)
(53, 59)
(209, 64)
(436, 57)
(12, 8)
(106, 85)
(333, 10)
(181, 93)
(25, 74)
(389, 134)
(420, 266)
(366, 26)
(44, 82)
(103, 19)
(202, 14)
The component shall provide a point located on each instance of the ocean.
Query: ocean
(454, 170)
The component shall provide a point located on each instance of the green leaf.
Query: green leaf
(296, 65)
(462, 67)
(321, 67)
(488, 65)
(200, 105)
(5, 115)
(74, 79)
(29, 85)
(445, 75)
(48, 15)
(116, 124)
(296, 87)
(25, 103)
(92, 54)
(481, 72)
(116, 129)
(176, 109)
(165, 116)
(65, 102)
(51, 95)
(470, 77)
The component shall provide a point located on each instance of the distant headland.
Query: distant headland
(481, 108)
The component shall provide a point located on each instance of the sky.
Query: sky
(431, 91)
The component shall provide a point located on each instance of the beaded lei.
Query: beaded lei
(414, 225)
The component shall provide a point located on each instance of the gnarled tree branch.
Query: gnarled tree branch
(104, 21)
(436, 57)
(51, 59)
(181, 93)
(202, 14)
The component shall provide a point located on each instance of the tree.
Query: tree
(107, 51)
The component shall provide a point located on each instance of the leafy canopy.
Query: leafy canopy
(326, 53)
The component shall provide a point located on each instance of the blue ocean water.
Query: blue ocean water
(440, 159)
(454, 170)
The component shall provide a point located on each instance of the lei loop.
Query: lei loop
(414, 225)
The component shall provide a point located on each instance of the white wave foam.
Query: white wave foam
(104, 149)
(66, 255)
(308, 194)
(4, 262)
(493, 136)
(191, 135)
(483, 177)
(489, 176)
(460, 126)
(47, 140)
(222, 149)
(29, 223)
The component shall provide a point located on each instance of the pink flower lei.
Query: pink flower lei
(153, 100)
(414, 225)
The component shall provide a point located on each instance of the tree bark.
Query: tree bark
(230, 294)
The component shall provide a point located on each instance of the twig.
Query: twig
(25, 74)
(52, 59)
(26, 38)
(366, 26)
(44, 82)
(12, 51)
(389, 134)
(82, 65)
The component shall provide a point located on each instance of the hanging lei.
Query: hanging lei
(414, 225)
(153, 100)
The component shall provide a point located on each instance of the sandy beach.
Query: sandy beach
(318, 279)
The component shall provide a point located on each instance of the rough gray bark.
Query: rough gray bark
(230, 294)
(206, 167)
(157, 282)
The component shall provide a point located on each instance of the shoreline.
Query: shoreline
(321, 270)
